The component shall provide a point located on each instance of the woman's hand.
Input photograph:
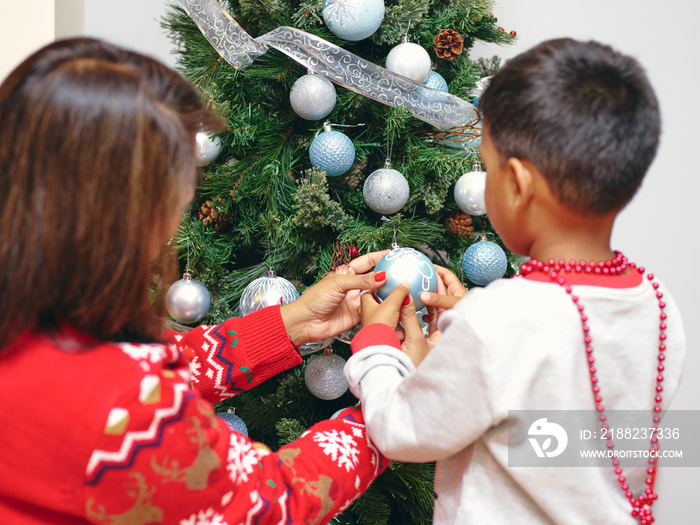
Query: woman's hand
(330, 306)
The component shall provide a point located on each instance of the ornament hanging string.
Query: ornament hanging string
(338, 65)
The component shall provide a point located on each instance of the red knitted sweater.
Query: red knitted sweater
(125, 434)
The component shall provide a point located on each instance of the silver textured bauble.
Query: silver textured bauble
(409, 60)
(386, 191)
(483, 262)
(435, 81)
(407, 264)
(333, 152)
(207, 148)
(312, 97)
(470, 192)
(267, 291)
(353, 19)
(324, 376)
(187, 300)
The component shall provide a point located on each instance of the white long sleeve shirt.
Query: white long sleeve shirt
(517, 344)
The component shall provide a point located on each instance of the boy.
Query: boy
(569, 131)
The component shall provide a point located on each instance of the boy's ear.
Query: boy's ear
(522, 181)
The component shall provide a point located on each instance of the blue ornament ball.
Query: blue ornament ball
(407, 264)
(483, 262)
(233, 422)
(435, 81)
(353, 19)
(332, 152)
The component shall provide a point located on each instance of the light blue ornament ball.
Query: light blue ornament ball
(353, 19)
(435, 81)
(407, 265)
(332, 152)
(483, 262)
(233, 422)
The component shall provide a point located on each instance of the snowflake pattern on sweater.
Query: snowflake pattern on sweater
(152, 450)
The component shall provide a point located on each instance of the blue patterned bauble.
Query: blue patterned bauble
(483, 262)
(332, 152)
(353, 19)
(435, 81)
(233, 422)
(407, 265)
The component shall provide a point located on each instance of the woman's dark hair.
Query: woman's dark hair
(96, 152)
(583, 114)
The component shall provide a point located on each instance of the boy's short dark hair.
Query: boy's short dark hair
(585, 115)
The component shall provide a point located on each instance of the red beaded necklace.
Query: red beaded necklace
(641, 505)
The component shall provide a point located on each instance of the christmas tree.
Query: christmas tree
(310, 173)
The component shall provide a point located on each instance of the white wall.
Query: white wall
(659, 229)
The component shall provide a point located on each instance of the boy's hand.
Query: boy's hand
(449, 291)
(388, 311)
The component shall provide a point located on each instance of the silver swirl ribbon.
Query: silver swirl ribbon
(346, 69)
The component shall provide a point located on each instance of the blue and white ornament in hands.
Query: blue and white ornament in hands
(470, 191)
(353, 19)
(407, 265)
(484, 262)
(332, 151)
(187, 300)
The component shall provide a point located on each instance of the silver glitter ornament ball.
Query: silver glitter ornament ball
(187, 300)
(324, 376)
(207, 148)
(267, 291)
(312, 97)
(386, 191)
(483, 262)
(332, 152)
(409, 60)
(407, 264)
(353, 19)
(469, 193)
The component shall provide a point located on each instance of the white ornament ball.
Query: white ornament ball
(407, 265)
(267, 291)
(409, 60)
(353, 19)
(436, 81)
(386, 191)
(187, 300)
(324, 376)
(312, 97)
(469, 193)
(207, 148)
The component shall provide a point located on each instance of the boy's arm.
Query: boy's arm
(238, 354)
(423, 414)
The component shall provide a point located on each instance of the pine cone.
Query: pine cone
(212, 214)
(459, 223)
(448, 44)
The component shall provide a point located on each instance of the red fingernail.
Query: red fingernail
(380, 276)
(406, 301)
